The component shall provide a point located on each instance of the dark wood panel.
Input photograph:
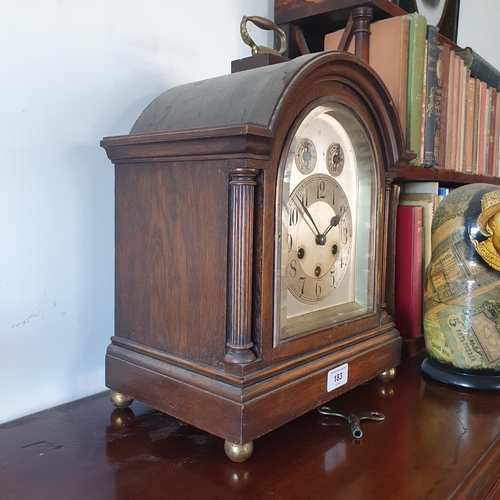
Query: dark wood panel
(333, 10)
(437, 443)
(172, 212)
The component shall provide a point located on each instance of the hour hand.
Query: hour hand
(334, 222)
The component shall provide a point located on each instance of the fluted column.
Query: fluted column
(239, 327)
(385, 235)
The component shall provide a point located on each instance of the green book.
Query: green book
(416, 57)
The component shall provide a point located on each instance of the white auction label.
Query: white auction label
(336, 377)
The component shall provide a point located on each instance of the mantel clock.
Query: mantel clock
(251, 245)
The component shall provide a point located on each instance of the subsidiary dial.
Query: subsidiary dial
(335, 159)
(305, 156)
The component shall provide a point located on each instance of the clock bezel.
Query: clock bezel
(334, 105)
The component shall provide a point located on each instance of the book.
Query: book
(422, 107)
(408, 271)
(492, 131)
(388, 57)
(462, 107)
(469, 126)
(455, 123)
(433, 95)
(481, 130)
(496, 139)
(450, 112)
(479, 67)
(444, 106)
(475, 138)
(428, 202)
(416, 62)
(421, 187)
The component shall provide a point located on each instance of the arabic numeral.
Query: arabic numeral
(320, 190)
(302, 280)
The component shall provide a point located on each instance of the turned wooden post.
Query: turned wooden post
(239, 328)
(362, 17)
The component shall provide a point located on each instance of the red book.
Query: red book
(408, 278)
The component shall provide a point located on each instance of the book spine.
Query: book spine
(422, 108)
(496, 139)
(408, 275)
(475, 138)
(464, 95)
(416, 57)
(432, 98)
(444, 106)
(480, 68)
(449, 115)
(469, 129)
(492, 132)
(483, 91)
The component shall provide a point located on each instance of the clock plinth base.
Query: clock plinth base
(240, 409)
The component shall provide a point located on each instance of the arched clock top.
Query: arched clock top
(269, 96)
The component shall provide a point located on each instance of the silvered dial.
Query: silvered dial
(335, 159)
(305, 156)
(319, 238)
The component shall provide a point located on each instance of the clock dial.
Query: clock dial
(325, 265)
(305, 156)
(335, 159)
(319, 238)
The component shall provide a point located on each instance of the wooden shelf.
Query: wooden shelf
(445, 177)
(322, 12)
(317, 19)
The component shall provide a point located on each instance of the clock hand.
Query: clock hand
(309, 215)
(335, 221)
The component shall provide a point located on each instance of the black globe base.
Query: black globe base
(454, 376)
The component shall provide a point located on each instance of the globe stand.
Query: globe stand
(463, 378)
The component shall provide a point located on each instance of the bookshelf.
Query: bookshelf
(322, 25)
(307, 24)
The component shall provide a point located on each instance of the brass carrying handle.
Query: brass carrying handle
(265, 24)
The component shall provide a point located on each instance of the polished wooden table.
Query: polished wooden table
(436, 442)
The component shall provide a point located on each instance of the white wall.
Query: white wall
(478, 28)
(73, 72)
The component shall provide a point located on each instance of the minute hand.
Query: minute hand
(309, 215)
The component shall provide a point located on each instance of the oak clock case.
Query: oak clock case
(224, 189)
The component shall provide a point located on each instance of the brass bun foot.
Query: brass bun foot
(120, 400)
(388, 375)
(238, 452)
